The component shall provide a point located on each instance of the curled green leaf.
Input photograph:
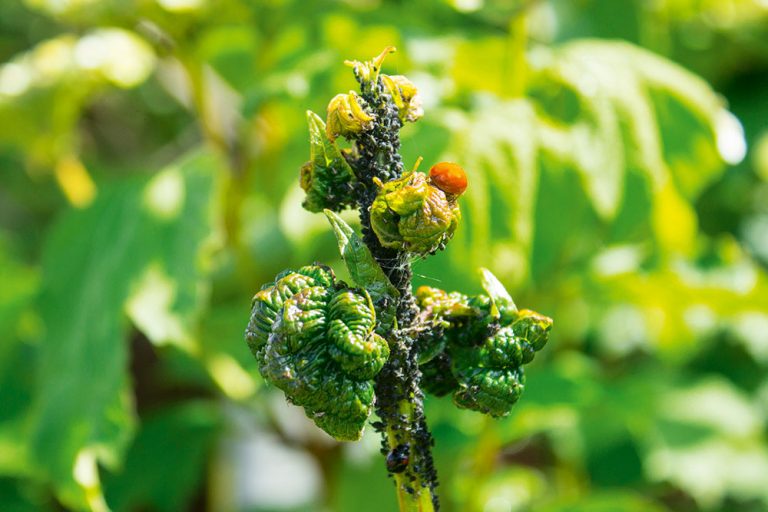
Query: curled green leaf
(314, 338)
(327, 178)
(488, 390)
(411, 214)
(269, 300)
(487, 341)
(356, 348)
(440, 305)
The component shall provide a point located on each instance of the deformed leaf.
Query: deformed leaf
(485, 341)
(412, 213)
(315, 339)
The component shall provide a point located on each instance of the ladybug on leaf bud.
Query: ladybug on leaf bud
(448, 177)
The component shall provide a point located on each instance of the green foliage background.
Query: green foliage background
(617, 154)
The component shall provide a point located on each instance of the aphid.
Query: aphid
(449, 177)
(398, 458)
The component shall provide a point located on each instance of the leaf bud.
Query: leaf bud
(410, 214)
(347, 116)
(405, 96)
(327, 178)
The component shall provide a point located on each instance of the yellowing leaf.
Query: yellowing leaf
(674, 221)
(75, 182)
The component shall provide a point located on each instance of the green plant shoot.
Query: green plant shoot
(344, 351)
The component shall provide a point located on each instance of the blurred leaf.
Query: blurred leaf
(17, 323)
(616, 464)
(376, 493)
(16, 395)
(21, 496)
(225, 354)
(478, 65)
(141, 242)
(44, 90)
(709, 441)
(600, 110)
(680, 433)
(20, 284)
(511, 488)
(607, 502)
(231, 51)
(715, 404)
(165, 464)
(497, 146)
(663, 120)
(680, 303)
(714, 469)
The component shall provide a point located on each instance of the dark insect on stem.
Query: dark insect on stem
(398, 458)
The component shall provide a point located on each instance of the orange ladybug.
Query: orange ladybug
(449, 177)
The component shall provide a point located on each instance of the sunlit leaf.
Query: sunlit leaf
(662, 119)
(497, 147)
(226, 358)
(496, 292)
(606, 112)
(681, 303)
(143, 244)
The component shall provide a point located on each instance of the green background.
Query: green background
(617, 155)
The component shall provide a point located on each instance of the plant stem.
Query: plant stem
(413, 495)
(406, 441)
